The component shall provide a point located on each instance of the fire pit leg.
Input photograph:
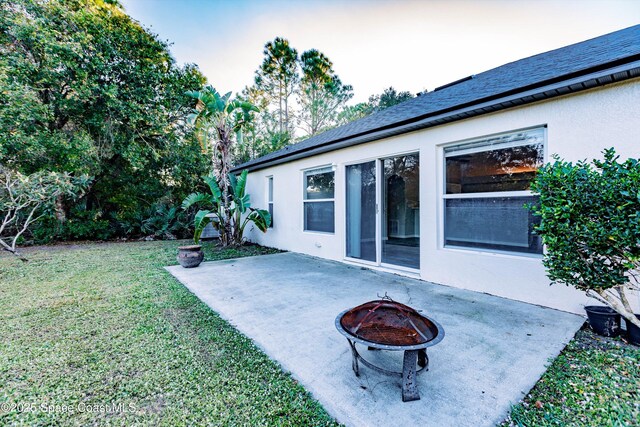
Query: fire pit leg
(423, 359)
(354, 361)
(409, 386)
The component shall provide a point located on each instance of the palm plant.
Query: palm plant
(219, 121)
(162, 222)
(230, 223)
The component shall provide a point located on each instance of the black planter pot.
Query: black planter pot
(190, 256)
(633, 332)
(603, 320)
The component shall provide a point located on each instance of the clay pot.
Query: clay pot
(190, 256)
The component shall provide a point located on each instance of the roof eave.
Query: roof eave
(590, 79)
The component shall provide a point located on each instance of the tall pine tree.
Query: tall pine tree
(277, 79)
(321, 94)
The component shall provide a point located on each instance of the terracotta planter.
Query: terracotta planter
(603, 320)
(190, 256)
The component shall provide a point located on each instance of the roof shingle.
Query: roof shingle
(538, 70)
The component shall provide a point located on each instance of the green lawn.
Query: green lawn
(104, 324)
(595, 381)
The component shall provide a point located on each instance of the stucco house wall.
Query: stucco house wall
(578, 126)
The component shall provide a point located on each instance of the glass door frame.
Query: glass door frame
(379, 162)
(378, 241)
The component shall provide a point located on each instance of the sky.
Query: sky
(413, 45)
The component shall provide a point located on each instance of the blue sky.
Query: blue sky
(409, 44)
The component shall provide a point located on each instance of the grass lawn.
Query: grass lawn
(87, 328)
(104, 324)
(595, 381)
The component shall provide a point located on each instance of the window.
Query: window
(270, 198)
(318, 200)
(486, 187)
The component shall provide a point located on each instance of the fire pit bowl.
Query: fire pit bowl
(388, 325)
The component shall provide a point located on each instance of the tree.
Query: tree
(84, 89)
(321, 98)
(354, 112)
(321, 94)
(277, 78)
(219, 120)
(260, 136)
(590, 224)
(24, 199)
(388, 98)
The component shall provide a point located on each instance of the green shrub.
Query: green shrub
(81, 225)
(165, 222)
(87, 225)
(590, 224)
(160, 221)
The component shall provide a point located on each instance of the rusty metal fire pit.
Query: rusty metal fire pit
(388, 325)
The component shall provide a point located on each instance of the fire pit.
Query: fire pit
(388, 325)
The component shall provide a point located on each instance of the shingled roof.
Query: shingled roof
(606, 59)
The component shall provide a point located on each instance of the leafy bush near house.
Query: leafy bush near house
(590, 223)
(229, 218)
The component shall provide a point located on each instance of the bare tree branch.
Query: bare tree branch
(24, 199)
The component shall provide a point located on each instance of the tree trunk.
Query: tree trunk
(60, 213)
(280, 106)
(614, 303)
(286, 111)
(224, 146)
(314, 113)
(16, 253)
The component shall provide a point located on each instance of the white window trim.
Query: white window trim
(443, 183)
(270, 196)
(494, 194)
(316, 171)
(318, 200)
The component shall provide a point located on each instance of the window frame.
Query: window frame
(269, 198)
(317, 170)
(477, 145)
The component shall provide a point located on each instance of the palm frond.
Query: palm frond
(200, 222)
(195, 199)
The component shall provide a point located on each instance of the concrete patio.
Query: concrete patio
(494, 350)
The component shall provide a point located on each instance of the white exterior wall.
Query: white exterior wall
(579, 127)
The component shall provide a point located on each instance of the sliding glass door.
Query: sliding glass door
(361, 211)
(391, 234)
(401, 211)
